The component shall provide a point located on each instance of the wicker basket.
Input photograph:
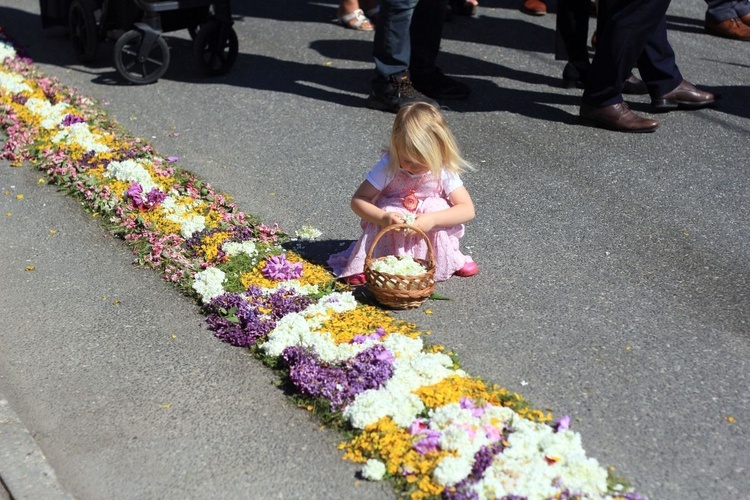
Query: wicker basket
(395, 290)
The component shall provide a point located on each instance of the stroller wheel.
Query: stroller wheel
(215, 48)
(141, 67)
(82, 29)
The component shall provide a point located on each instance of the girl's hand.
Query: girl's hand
(425, 222)
(390, 218)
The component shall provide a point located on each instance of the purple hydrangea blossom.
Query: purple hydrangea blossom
(468, 404)
(427, 439)
(20, 99)
(562, 424)
(153, 198)
(338, 383)
(378, 334)
(71, 119)
(482, 460)
(243, 320)
(279, 269)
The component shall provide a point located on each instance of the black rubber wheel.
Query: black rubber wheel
(82, 29)
(215, 52)
(133, 70)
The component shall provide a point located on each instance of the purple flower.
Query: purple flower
(562, 424)
(243, 320)
(72, 119)
(20, 99)
(429, 439)
(172, 159)
(378, 334)
(279, 269)
(468, 404)
(341, 382)
(134, 193)
(482, 460)
(153, 198)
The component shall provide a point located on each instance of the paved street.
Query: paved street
(614, 280)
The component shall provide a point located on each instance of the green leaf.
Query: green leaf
(435, 296)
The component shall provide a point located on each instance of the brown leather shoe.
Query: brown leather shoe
(617, 117)
(534, 7)
(685, 96)
(735, 29)
(745, 19)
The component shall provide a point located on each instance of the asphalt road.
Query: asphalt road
(613, 280)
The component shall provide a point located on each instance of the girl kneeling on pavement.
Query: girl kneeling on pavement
(416, 182)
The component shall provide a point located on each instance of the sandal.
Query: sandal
(356, 21)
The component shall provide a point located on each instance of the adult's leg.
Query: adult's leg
(572, 31)
(426, 34)
(722, 10)
(392, 47)
(623, 29)
(657, 63)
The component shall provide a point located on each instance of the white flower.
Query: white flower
(11, 82)
(80, 134)
(208, 283)
(132, 171)
(396, 398)
(403, 346)
(51, 115)
(374, 470)
(6, 51)
(295, 285)
(307, 233)
(297, 329)
(409, 218)
(192, 224)
(404, 266)
(232, 248)
(179, 211)
(451, 470)
(584, 475)
(372, 405)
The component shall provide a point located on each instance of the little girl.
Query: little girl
(416, 180)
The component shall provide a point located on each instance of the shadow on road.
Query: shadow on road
(349, 86)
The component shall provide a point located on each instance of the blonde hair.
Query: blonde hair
(421, 134)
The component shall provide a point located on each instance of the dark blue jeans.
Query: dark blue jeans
(721, 10)
(408, 36)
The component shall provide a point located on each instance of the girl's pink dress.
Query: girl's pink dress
(401, 191)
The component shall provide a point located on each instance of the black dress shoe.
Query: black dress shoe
(617, 117)
(685, 96)
(634, 86)
(574, 77)
(438, 85)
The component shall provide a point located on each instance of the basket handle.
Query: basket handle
(430, 251)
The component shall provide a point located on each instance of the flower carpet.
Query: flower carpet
(406, 410)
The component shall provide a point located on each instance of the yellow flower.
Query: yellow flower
(312, 274)
(364, 320)
(451, 390)
(211, 244)
(395, 447)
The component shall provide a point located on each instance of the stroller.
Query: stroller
(141, 54)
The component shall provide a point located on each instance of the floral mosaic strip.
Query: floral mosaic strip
(416, 418)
